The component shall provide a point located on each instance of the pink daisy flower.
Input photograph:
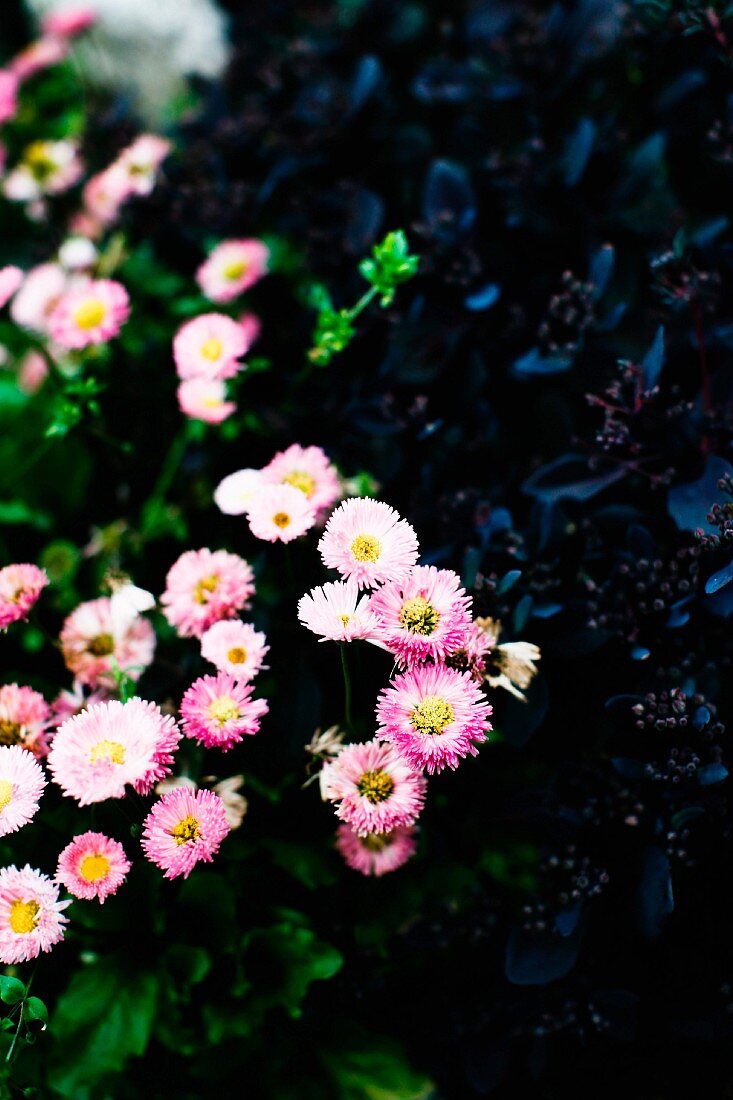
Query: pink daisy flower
(32, 373)
(251, 327)
(103, 195)
(218, 711)
(279, 513)
(374, 787)
(10, 279)
(69, 22)
(307, 469)
(234, 493)
(376, 853)
(423, 615)
(434, 716)
(92, 866)
(140, 161)
(20, 587)
(74, 701)
(205, 399)
(469, 655)
(235, 647)
(94, 640)
(366, 540)
(21, 785)
(208, 347)
(45, 168)
(37, 298)
(39, 55)
(31, 917)
(90, 314)
(232, 268)
(98, 752)
(183, 828)
(8, 95)
(204, 586)
(337, 613)
(24, 718)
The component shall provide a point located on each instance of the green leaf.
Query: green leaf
(370, 1067)
(105, 1016)
(293, 957)
(17, 511)
(35, 1011)
(11, 990)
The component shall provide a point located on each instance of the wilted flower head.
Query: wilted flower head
(232, 268)
(337, 613)
(368, 541)
(92, 866)
(21, 785)
(279, 513)
(219, 711)
(20, 586)
(307, 469)
(183, 828)
(376, 853)
(204, 586)
(90, 314)
(24, 718)
(94, 641)
(234, 802)
(511, 665)
(31, 918)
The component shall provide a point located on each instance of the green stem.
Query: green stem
(168, 470)
(347, 686)
(363, 302)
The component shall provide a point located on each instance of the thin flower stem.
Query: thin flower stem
(347, 687)
(169, 469)
(363, 302)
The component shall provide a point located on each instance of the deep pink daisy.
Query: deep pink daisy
(31, 918)
(376, 853)
(92, 866)
(366, 540)
(232, 268)
(90, 314)
(21, 785)
(208, 347)
(235, 647)
(183, 828)
(375, 788)
(337, 613)
(434, 716)
(24, 718)
(307, 469)
(423, 615)
(204, 586)
(219, 711)
(94, 640)
(98, 752)
(20, 587)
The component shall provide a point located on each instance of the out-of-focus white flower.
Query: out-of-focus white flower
(127, 602)
(78, 254)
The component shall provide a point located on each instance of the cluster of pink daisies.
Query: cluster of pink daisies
(432, 714)
(96, 747)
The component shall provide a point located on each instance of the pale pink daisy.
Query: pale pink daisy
(73, 701)
(140, 161)
(94, 641)
(232, 268)
(24, 718)
(251, 327)
(366, 540)
(39, 295)
(205, 399)
(33, 372)
(208, 347)
(307, 469)
(182, 829)
(10, 279)
(45, 168)
(434, 716)
(234, 492)
(235, 647)
(337, 613)
(70, 21)
(92, 313)
(219, 711)
(98, 752)
(376, 853)
(8, 95)
(279, 513)
(103, 195)
(31, 915)
(204, 586)
(21, 785)
(92, 866)
(422, 616)
(20, 586)
(374, 787)
(39, 55)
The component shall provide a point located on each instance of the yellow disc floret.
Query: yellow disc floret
(107, 750)
(6, 793)
(24, 916)
(90, 314)
(93, 868)
(366, 548)
(418, 616)
(187, 829)
(376, 786)
(431, 715)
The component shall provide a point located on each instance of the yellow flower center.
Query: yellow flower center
(93, 868)
(211, 349)
(40, 164)
(235, 269)
(186, 829)
(281, 519)
(6, 793)
(10, 733)
(107, 750)
(24, 916)
(237, 655)
(101, 646)
(431, 715)
(224, 709)
(418, 616)
(376, 786)
(299, 479)
(90, 313)
(204, 587)
(376, 842)
(366, 548)
(345, 619)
